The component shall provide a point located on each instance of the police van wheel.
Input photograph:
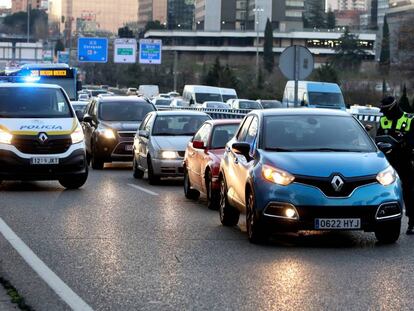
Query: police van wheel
(74, 182)
(388, 233)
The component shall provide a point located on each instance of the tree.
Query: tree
(268, 57)
(326, 73)
(17, 23)
(125, 32)
(314, 15)
(384, 62)
(330, 20)
(59, 46)
(404, 102)
(153, 25)
(221, 76)
(349, 54)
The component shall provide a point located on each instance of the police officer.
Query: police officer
(400, 126)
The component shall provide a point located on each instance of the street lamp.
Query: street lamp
(257, 10)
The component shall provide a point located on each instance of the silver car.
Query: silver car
(161, 140)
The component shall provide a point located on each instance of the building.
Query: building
(215, 15)
(99, 15)
(350, 5)
(21, 5)
(239, 47)
(152, 10)
(349, 18)
(180, 14)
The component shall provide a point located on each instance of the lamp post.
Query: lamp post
(257, 10)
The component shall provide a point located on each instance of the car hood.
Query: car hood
(323, 164)
(122, 126)
(176, 143)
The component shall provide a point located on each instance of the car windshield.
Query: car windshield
(249, 104)
(227, 97)
(163, 102)
(216, 105)
(177, 125)
(33, 102)
(207, 97)
(267, 104)
(315, 133)
(222, 134)
(124, 110)
(97, 92)
(326, 99)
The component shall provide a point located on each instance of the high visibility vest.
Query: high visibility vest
(403, 123)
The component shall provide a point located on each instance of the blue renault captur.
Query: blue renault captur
(308, 169)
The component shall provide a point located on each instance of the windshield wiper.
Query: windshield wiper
(280, 149)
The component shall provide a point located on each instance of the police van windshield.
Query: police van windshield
(326, 99)
(33, 102)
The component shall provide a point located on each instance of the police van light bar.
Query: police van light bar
(30, 79)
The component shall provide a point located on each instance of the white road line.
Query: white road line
(143, 189)
(55, 283)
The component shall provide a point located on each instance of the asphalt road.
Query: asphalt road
(121, 248)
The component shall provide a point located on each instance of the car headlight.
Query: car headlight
(168, 154)
(108, 134)
(5, 137)
(277, 176)
(387, 176)
(77, 136)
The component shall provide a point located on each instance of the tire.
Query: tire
(189, 193)
(256, 232)
(213, 196)
(96, 162)
(152, 178)
(229, 216)
(388, 233)
(74, 182)
(137, 173)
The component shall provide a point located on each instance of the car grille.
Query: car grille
(121, 149)
(31, 144)
(126, 134)
(324, 184)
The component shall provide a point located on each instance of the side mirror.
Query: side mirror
(87, 118)
(198, 144)
(143, 133)
(79, 115)
(384, 147)
(368, 127)
(243, 149)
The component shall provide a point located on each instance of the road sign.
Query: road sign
(94, 50)
(125, 51)
(296, 63)
(47, 56)
(63, 57)
(150, 51)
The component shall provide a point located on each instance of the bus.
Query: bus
(60, 74)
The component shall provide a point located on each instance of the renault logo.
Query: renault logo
(43, 137)
(337, 183)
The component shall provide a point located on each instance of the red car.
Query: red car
(202, 159)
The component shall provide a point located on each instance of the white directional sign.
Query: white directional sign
(125, 51)
(150, 51)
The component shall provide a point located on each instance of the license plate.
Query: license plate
(341, 223)
(44, 161)
(128, 147)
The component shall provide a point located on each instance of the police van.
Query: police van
(40, 135)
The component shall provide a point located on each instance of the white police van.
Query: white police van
(40, 135)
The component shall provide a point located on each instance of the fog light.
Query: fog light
(290, 212)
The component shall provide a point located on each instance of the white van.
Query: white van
(196, 95)
(40, 135)
(227, 94)
(148, 90)
(314, 95)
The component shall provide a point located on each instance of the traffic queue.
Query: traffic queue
(285, 169)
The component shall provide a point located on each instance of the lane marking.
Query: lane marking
(51, 279)
(143, 189)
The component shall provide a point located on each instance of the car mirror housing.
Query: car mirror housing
(143, 133)
(87, 118)
(243, 149)
(384, 147)
(198, 144)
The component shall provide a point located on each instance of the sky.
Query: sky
(5, 3)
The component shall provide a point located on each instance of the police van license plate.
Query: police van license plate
(44, 161)
(341, 223)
